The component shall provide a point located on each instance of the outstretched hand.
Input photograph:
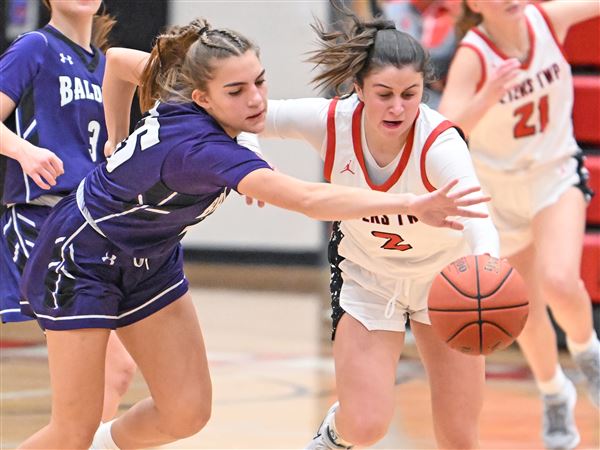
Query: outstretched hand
(436, 207)
(41, 165)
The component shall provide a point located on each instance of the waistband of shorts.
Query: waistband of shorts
(84, 211)
(43, 200)
(485, 171)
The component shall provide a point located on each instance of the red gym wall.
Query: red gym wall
(582, 48)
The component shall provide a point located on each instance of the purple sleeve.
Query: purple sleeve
(208, 167)
(21, 63)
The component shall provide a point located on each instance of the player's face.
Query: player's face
(75, 7)
(498, 10)
(236, 96)
(391, 97)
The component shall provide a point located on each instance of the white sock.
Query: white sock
(333, 433)
(103, 438)
(555, 384)
(591, 343)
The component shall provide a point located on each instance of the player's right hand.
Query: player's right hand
(109, 148)
(501, 80)
(41, 165)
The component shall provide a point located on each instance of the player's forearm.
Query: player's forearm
(482, 236)
(466, 114)
(331, 202)
(10, 143)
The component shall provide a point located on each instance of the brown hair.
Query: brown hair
(351, 54)
(467, 20)
(102, 24)
(181, 59)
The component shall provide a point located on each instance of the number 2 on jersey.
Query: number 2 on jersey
(523, 128)
(393, 242)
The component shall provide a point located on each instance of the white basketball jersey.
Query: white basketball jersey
(400, 245)
(531, 125)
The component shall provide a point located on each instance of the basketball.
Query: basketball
(478, 304)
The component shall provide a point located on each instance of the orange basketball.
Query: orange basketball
(478, 304)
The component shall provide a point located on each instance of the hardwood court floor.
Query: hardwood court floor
(273, 380)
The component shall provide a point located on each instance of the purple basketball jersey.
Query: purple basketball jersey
(174, 170)
(52, 80)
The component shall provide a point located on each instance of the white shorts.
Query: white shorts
(384, 303)
(518, 197)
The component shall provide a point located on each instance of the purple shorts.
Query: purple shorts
(20, 225)
(76, 278)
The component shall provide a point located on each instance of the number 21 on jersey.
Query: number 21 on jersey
(526, 126)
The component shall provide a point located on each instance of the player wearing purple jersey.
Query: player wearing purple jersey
(117, 239)
(51, 79)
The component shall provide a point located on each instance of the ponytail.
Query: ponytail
(348, 56)
(467, 20)
(181, 58)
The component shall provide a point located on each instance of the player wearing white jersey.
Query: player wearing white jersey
(510, 89)
(396, 248)
(382, 138)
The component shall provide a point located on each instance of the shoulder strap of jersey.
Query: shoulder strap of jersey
(330, 150)
(550, 28)
(443, 126)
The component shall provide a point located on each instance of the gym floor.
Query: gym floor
(273, 377)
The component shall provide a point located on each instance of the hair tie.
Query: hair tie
(386, 25)
(203, 30)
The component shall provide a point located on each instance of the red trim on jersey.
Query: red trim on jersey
(330, 150)
(358, 151)
(525, 64)
(551, 28)
(445, 125)
(481, 61)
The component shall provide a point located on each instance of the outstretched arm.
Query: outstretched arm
(121, 77)
(449, 159)
(565, 13)
(331, 202)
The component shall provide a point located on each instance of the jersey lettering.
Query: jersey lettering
(77, 89)
(383, 220)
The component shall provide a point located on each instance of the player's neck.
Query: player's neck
(79, 30)
(382, 148)
(512, 38)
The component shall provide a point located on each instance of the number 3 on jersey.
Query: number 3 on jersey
(523, 127)
(94, 130)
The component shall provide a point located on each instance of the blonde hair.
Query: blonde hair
(102, 25)
(181, 59)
